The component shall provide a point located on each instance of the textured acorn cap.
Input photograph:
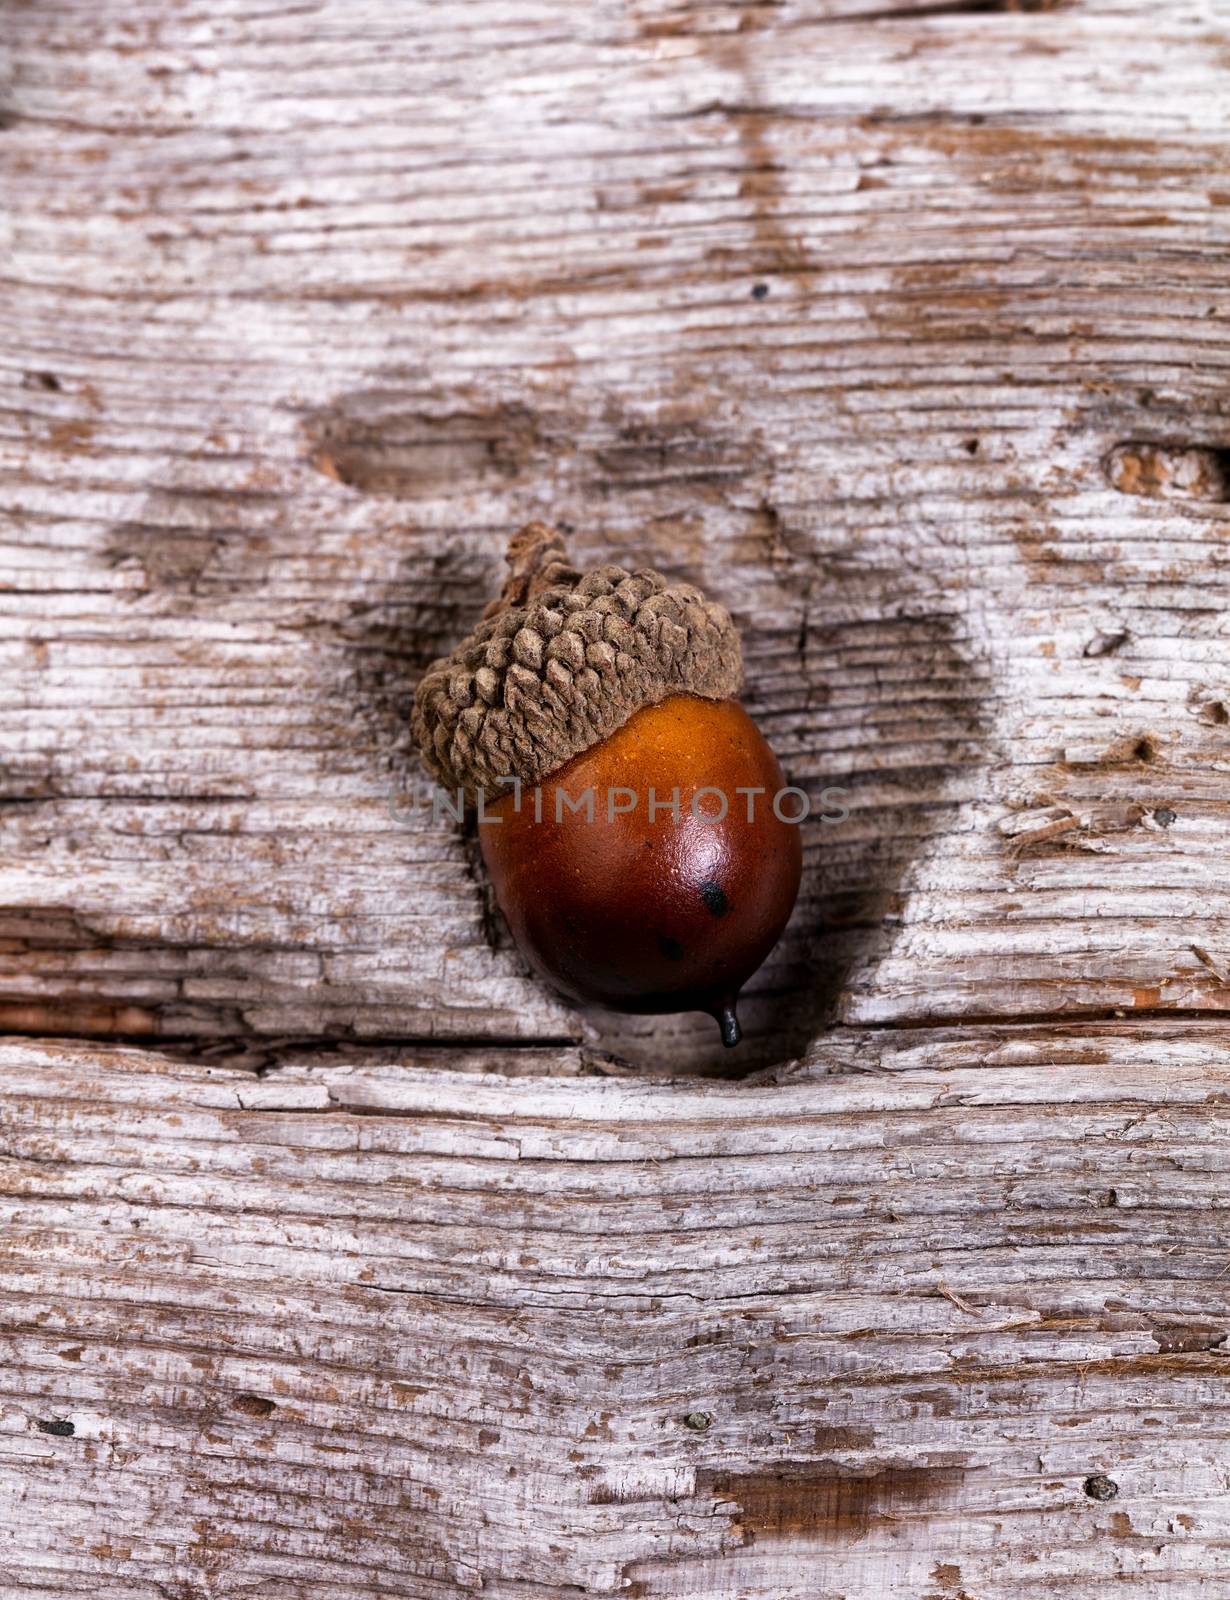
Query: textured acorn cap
(560, 661)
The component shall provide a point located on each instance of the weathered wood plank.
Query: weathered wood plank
(903, 329)
(375, 1328)
(306, 307)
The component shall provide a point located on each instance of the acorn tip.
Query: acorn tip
(728, 1022)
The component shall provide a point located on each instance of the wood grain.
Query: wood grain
(369, 1327)
(903, 329)
(306, 309)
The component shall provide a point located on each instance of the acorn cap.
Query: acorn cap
(560, 661)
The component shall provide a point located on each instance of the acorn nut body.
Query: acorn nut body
(628, 804)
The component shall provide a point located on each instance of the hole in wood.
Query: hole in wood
(1170, 471)
(253, 1405)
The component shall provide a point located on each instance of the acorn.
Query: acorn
(630, 812)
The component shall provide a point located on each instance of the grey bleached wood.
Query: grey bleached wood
(869, 1326)
(307, 307)
(304, 307)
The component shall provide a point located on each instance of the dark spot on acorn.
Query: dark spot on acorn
(614, 683)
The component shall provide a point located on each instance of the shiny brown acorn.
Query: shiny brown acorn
(651, 882)
(631, 814)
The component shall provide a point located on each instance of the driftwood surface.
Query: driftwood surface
(339, 1258)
